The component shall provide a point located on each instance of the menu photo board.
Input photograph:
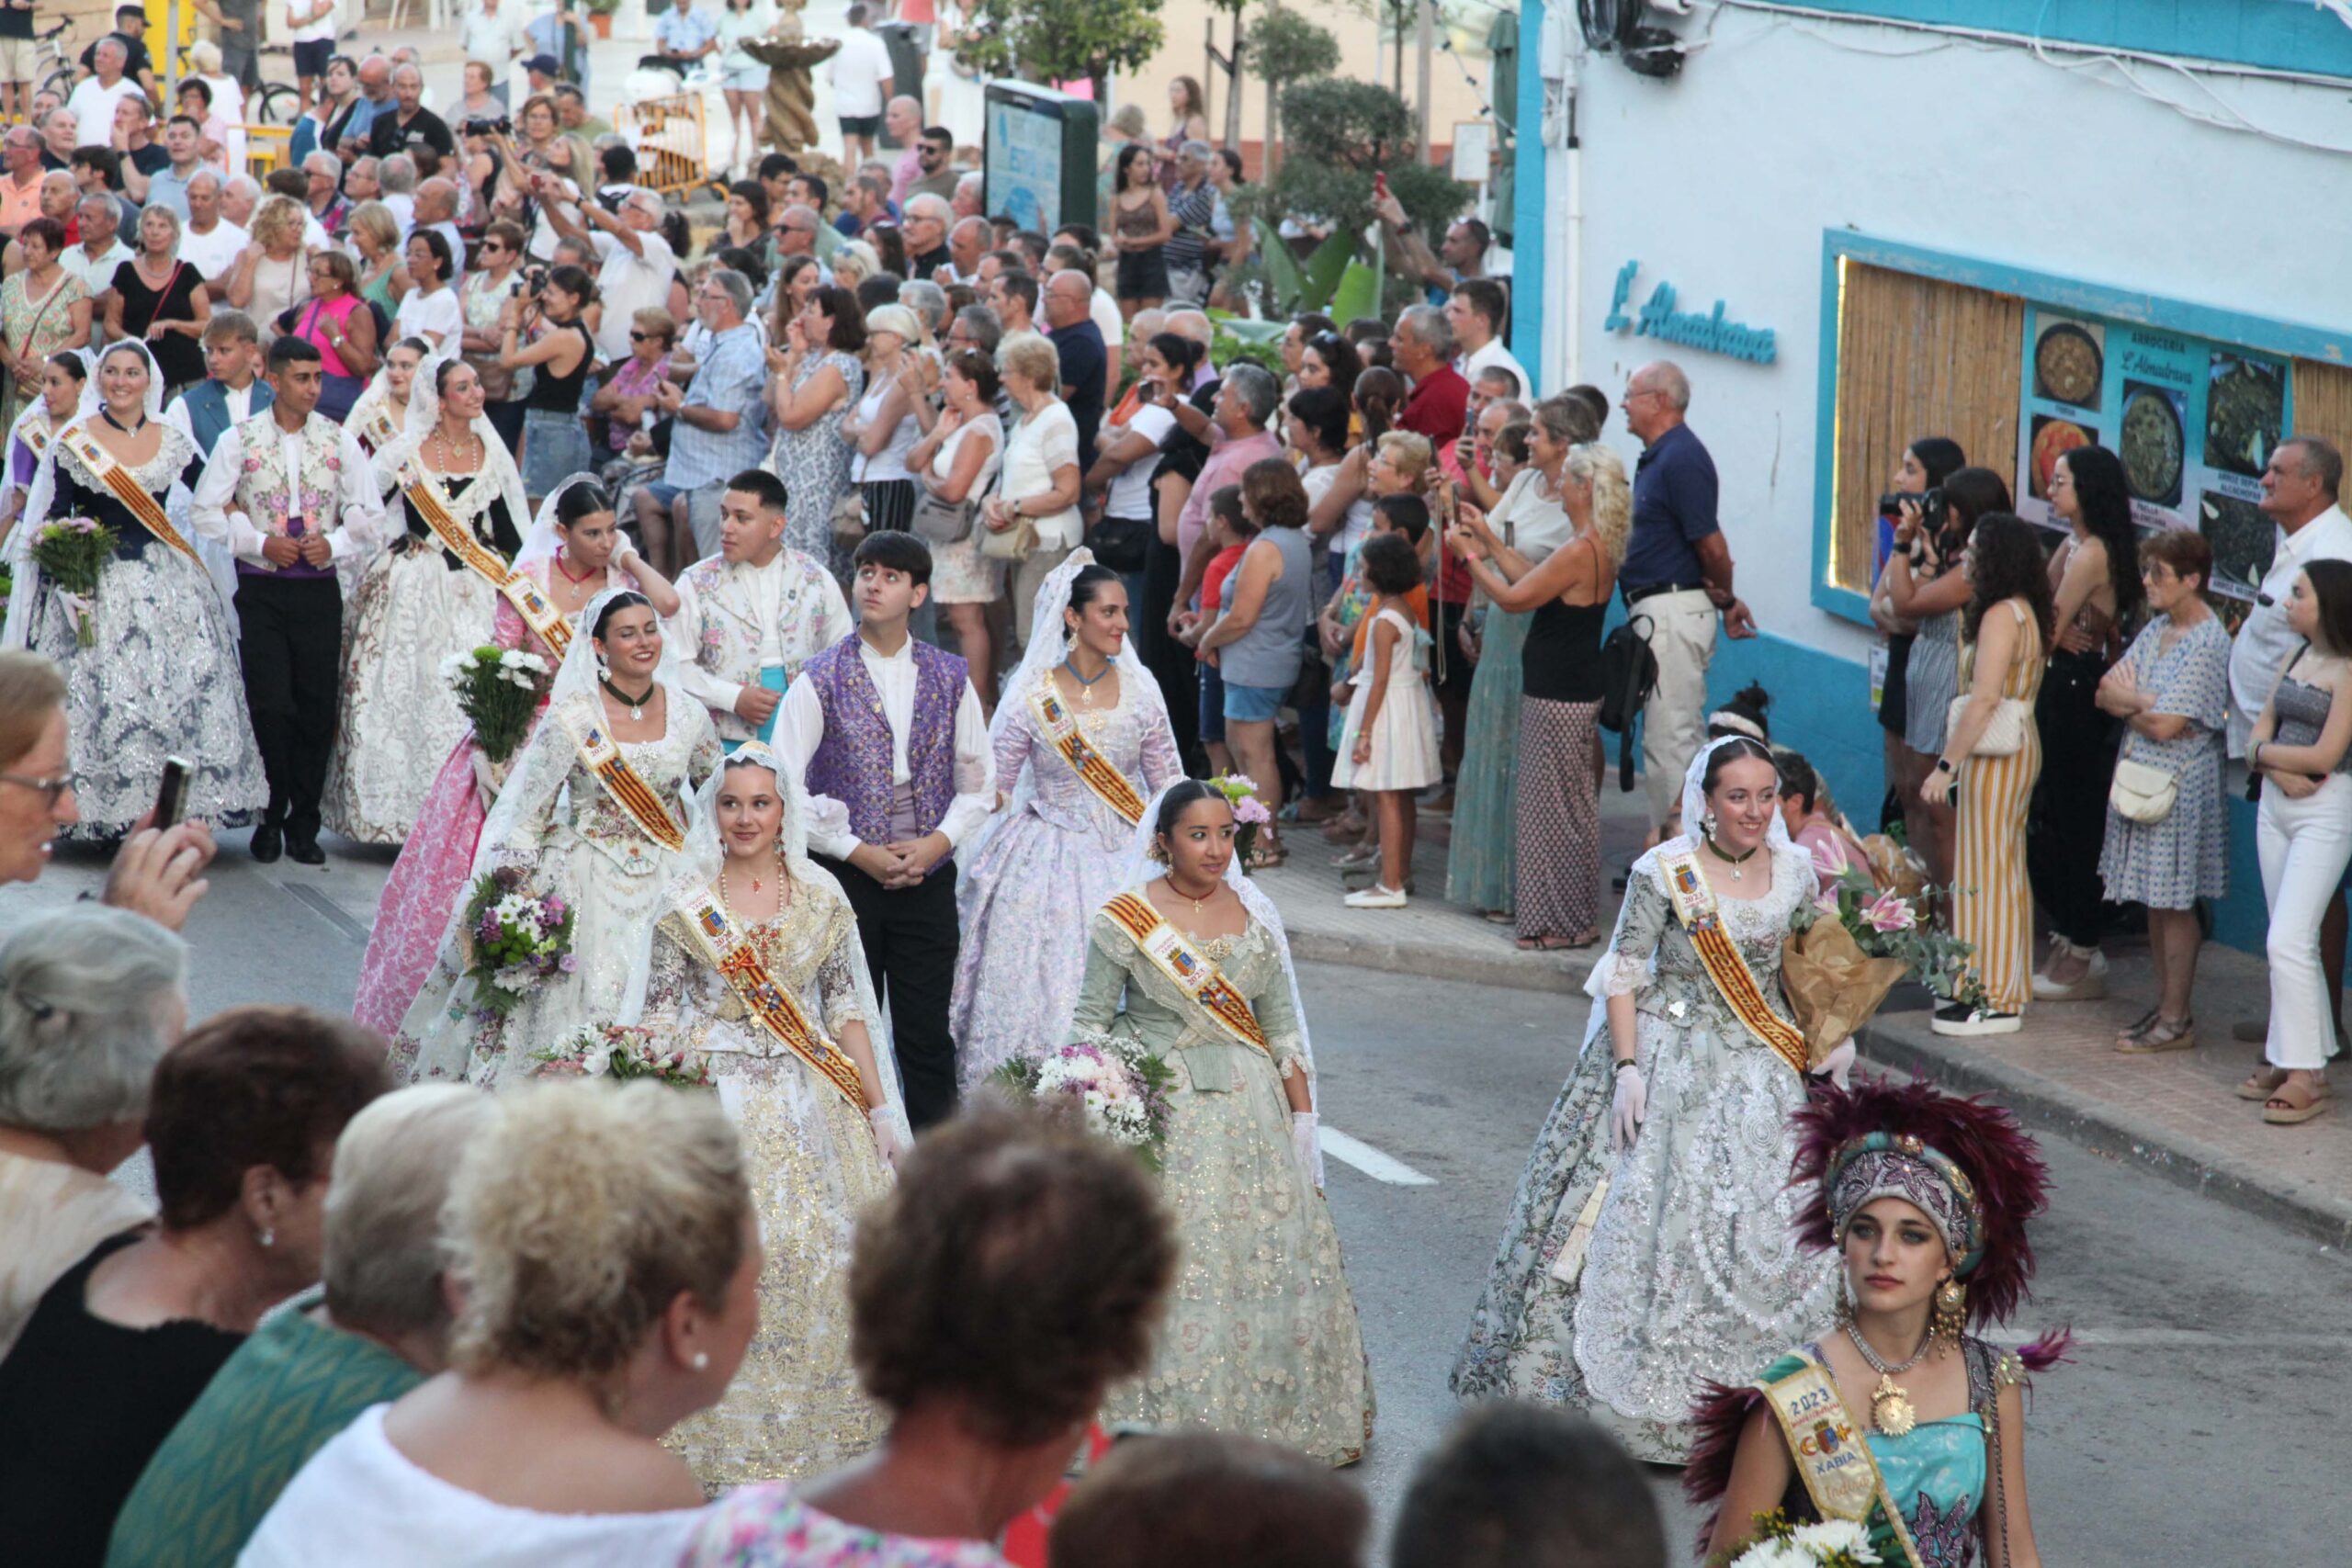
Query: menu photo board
(2191, 420)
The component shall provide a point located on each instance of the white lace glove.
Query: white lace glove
(1307, 1147)
(1839, 1066)
(1630, 1104)
(886, 1141)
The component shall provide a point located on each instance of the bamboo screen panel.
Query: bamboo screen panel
(2323, 402)
(1916, 358)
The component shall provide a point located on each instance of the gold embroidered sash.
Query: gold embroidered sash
(728, 948)
(630, 792)
(1093, 769)
(516, 588)
(141, 503)
(1173, 954)
(1694, 906)
(1827, 1445)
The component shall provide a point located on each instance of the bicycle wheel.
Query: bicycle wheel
(60, 81)
(278, 104)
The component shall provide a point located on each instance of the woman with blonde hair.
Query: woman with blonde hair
(374, 233)
(605, 1240)
(271, 276)
(1558, 821)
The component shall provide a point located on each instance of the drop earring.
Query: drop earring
(1707, 824)
(1951, 1312)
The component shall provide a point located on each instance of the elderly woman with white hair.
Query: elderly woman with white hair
(1036, 499)
(377, 1326)
(605, 1242)
(90, 999)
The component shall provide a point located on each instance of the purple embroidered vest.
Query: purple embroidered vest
(853, 762)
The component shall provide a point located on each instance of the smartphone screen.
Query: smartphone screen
(171, 797)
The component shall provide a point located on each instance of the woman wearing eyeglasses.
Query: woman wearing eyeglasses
(495, 278)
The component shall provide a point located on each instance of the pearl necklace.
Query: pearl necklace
(729, 904)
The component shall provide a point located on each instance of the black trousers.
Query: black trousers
(909, 936)
(1172, 664)
(2067, 823)
(290, 640)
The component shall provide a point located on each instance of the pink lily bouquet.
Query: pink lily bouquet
(1250, 813)
(72, 552)
(513, 939)
(1852, 945)
(618, 1052)
(1111, 1086)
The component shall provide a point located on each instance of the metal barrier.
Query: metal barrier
(265, 148)
(673, 153)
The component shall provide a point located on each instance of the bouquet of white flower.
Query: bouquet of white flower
(620, 1052)
(498, 689)
(1834, 1544)
(513, 939)
(1115, 1088)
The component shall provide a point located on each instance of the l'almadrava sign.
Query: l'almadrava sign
(1657, 317)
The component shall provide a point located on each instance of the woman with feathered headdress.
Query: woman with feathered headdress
(1899, 1421)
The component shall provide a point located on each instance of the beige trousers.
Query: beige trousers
(1674, 721)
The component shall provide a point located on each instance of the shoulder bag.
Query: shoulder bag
(1628, 675)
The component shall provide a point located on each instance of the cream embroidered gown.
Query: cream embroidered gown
(572, 840)
(795, 1408)
(1261, 1335)
(1694, 1272)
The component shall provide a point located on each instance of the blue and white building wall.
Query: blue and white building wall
(2184, 166)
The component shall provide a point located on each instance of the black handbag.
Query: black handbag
(1119, 542)
(1628, 675)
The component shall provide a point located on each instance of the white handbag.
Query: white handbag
(2143, 792)
(2005, 735)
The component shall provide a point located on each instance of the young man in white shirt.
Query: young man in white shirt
(754, 614)
(889, 736)
(861, 76)
(1475, 310)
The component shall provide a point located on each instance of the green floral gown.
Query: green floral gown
(1260, 1336)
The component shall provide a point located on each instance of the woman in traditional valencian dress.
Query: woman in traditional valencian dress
(593, 814)
(1663, 1167)
(161, 680)
(1261, 1335)
(1082, 741)
(805, 1069)
(434, 593)
(575, 552)
(394, 400)
(63, 377)
(1924, 1197)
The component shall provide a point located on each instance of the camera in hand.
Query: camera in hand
(1930, 504)
(535, 281)
(489, 125)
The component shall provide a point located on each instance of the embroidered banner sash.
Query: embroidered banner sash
(1094, 770)
(630, 792)
(1173, 954)
(457, 538)
(378, 429)
(35, 436)
(726, 947)
(141, 503)
(1694, 906)
(1827, 1445)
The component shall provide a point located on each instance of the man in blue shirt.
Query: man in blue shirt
(1678, 573)
(682, 35)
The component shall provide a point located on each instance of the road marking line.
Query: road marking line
(325, 908)
(2199, 1338)
(1371, 1161)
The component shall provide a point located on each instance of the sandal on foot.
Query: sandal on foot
(1266, 854)
(2292, 1103)
(1498, 917)
(2164, 1034)
(2260, 1084)
(2138, 1026)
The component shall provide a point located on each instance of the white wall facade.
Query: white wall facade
(1780, 127)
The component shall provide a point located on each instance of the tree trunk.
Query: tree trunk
(1271, 158)
(1233, 95)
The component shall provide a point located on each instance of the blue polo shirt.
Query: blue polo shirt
(1674, 508)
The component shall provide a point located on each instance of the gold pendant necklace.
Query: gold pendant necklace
(1891, 1408)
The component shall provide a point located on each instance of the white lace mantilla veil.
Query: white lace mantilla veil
(698, 868)
(423, 411)
(542, 541)
(16, 631)
(1694, 807)
(1044, 653)
(1140, 869)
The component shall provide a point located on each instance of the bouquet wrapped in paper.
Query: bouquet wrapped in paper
(71, 553)
(498, 690)
(1113, 1087)
(620, 1052)
(1853, 945)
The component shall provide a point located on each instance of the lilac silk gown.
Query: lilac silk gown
(1026, 896)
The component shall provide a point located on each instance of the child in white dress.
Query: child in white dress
(1388, 746)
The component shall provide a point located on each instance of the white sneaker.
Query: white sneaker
(2091, 987)
(1376, 898)
(1956, 1018)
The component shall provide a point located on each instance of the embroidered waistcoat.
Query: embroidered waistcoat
(261, 489)
(728, 643)
(853, 762)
